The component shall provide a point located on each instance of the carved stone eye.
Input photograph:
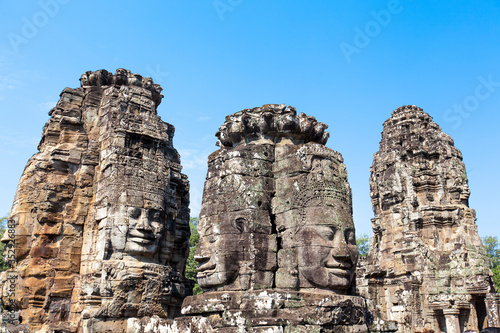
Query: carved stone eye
(240, 223)
(326, 232)
(211, 239)
(154, 215)
(135, 213)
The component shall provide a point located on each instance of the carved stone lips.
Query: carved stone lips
(135, 234)
(339, 267)
(339, 263)
(340, 272)
(141, 241)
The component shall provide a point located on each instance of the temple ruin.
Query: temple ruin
(98, 235)
(101, 213)
(277, 249)
(427, 268)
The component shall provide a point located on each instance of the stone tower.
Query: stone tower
(100, 220)
(427, 267)
(277, 249)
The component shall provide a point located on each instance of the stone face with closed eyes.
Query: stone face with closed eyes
(100, 222)
(276, 231)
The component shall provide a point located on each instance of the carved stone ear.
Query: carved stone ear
(240, 224)
(170, 222)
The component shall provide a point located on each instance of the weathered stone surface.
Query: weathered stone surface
(277, 250)
(101, 213)
(427, 268)
(263, 311)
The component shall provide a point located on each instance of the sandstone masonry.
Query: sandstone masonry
(101, 213)
(277, 249)
(427, 267)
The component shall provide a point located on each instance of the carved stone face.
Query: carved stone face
(147, 83)
(135, 80)
(84, 79)
(121, 76)
(219, 253)
(138, 230)
(327, 252)
(145, 230)
(215, 269)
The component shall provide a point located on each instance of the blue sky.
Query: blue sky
(347, 63)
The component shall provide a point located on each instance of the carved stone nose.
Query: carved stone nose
(144, 222)
(201, 253)
(339, 249)
(201, 257)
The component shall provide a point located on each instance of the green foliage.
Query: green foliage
(192, 265)
(493, 250)
(3, 228)
(496, 276)
(363, 244)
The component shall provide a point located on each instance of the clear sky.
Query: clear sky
(348, 63)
